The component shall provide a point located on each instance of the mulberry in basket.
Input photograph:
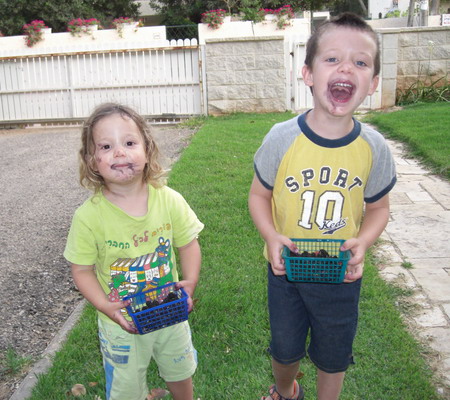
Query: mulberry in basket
(158, 308)
(318, 261)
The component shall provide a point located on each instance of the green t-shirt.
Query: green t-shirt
(131, 254)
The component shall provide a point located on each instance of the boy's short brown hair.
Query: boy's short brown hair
(89, 177)
(344, 20)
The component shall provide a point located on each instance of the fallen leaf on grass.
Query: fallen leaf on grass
(78, 390)
(158, 393)
(300, 375)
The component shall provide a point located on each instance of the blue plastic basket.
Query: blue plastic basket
(153, 309)
(321, 267)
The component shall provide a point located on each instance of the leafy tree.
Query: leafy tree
(180, 12)
(434, 8)
(183, 12)
(57, 13)
(11, 17)
(357, 6)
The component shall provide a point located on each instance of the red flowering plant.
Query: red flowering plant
(266, 11)
(33, 32)
(79, 26)
(284, 15)
(214, 18)
(120, 22)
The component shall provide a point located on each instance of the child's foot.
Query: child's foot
(158, 393)
(274, 395)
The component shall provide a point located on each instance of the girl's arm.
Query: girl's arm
(89, 286)
(190, 259)
(376, 217)
(260, 206)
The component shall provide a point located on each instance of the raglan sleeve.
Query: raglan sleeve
(382, 177)
(267, 159)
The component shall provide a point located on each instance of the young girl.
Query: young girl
(132, 216)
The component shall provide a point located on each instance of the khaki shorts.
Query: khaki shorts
(126, 358)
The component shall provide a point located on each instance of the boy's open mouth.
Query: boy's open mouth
(341, 91)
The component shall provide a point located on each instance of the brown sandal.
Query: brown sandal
(274, 395)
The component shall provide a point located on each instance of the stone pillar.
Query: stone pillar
(245, 75)
(389, 56)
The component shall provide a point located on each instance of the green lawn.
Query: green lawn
(230, 323)
(425, 128)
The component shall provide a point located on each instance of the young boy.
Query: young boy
(313, 176)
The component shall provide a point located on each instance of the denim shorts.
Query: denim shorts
(329, 312)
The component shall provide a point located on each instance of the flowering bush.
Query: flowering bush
(78, 26)
(284, 14)
(120, 22)
(214, 18)
(266, 11)
(92, 21)
(33, 32)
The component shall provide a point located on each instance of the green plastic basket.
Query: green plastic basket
(325, 263)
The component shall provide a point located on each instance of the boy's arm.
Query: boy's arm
(89, 286)
(375, 219)
(190, 260)
(260, 206)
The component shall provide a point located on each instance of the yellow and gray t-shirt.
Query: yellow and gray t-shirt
(320, 185)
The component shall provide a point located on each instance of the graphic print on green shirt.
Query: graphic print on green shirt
(135, 275)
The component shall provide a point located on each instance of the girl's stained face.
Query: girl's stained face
(120, 155)
(342, 73)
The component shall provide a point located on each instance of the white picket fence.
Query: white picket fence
(160, 81)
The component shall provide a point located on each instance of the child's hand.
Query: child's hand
(189, 288)
(353, 273)
(355, 264)
(274, 249)
(113, 312)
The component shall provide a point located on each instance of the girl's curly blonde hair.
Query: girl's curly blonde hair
(154, 173)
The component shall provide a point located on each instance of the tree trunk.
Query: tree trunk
(363, 7)
(434, 10)
(424, 13)
(411, 12)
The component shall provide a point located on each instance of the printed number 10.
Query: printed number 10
(329, 203)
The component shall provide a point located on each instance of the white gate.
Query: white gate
(301, 97)
(157, 82)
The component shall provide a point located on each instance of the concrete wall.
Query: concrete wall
(419, 53)
(99, 39)
(245, 29)
(246, 74)
(252, 73)
(249, 74)
(402, 22)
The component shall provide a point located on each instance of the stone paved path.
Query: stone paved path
(418, 233)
